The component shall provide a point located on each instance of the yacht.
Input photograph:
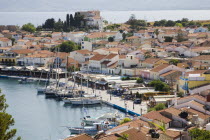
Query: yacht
(85, 101)
(111, 117)
(91, 130)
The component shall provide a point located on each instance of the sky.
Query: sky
(116, 5)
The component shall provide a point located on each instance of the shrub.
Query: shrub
(125, 120)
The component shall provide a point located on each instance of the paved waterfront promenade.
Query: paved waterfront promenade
(137, 108)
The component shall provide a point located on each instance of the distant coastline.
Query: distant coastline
(37, 18)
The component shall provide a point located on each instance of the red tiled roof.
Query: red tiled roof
(155, 115)
(83, 51)
(4, 39)
(98, 57)
(151, 60)
(160, 67)
(23, 51)
(80, 137)
(110, 56)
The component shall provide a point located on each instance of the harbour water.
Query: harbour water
(38, 18)
(38, 118)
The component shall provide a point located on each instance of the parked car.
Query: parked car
(137, 101)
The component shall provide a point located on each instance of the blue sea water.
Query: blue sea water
(38, 118)
(37, 18)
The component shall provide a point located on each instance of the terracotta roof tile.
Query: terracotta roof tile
(98, 57)
(202, 57)
(168, 73)
(171, 110)
(110, 56)
(151, 60)
(83, 51)
(155, 115)
(23, 51)
(160, 67)
(133, 134)
(80, 137)
(172, 134)
(4, 39)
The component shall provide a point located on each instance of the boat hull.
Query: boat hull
(85, 102)
(79, 130)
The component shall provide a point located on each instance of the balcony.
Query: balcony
(193, 78)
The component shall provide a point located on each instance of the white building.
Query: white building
(81, 55)
(35, 60)
(76, 37)
(200, 29)
(85, 45)
(5, 42)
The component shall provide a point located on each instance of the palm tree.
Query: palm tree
(162, 126)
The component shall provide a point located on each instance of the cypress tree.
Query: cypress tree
(71, 20)
(76, 20)
(67, 20)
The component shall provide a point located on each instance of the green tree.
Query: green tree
(123, 137)
(13, 40)
(161, 126)
(111, 39)
(139, 80)
(49, 24)
(170, 23)
(162, 22)
(174, 61)
(124, 36)
(58, 26)
(29, 28)
(179, 25)
(68, 20)
(168, 39)
(125, 120)
(6, 121)
(159, 85)
(134, 23)
(199, 134)
(67, 47)
(158, 107)
(156, 32)
(71, 20)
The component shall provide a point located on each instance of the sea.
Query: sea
(38, 18)
(38, 118)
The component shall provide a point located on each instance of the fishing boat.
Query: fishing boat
(91, 130)
(111, 117)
